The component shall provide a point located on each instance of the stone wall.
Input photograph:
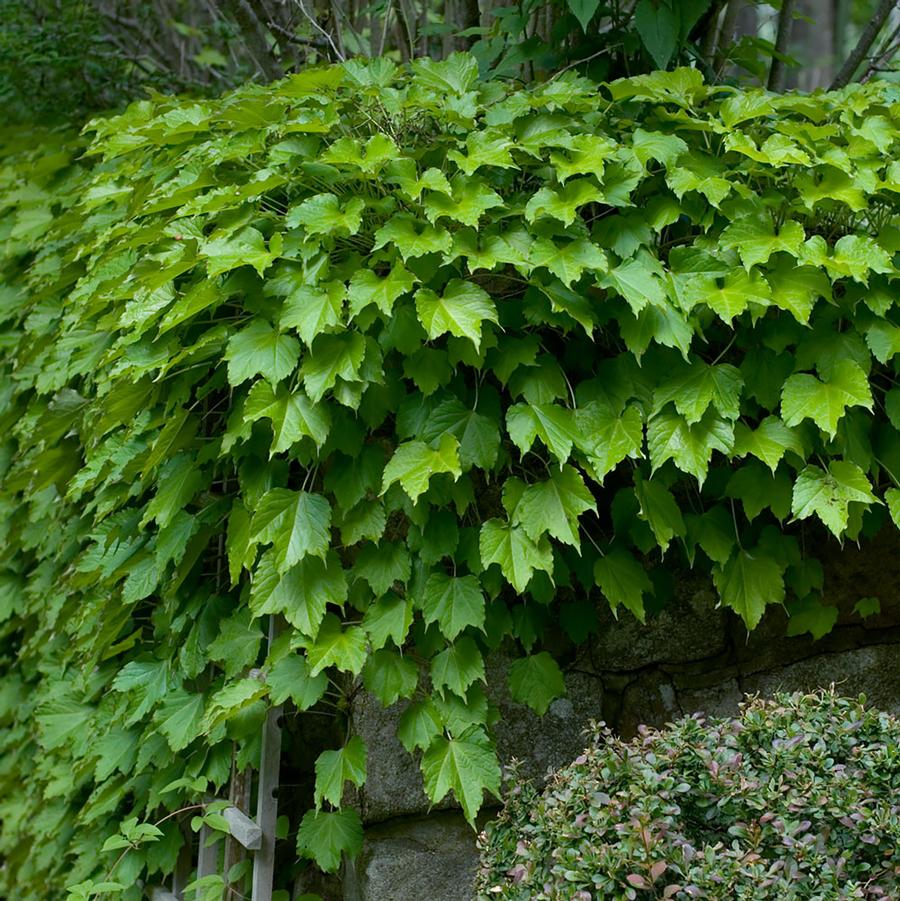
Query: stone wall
(691, 657)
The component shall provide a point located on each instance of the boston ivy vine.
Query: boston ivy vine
(420, 366)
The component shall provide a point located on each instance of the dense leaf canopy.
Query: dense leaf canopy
(420, 366)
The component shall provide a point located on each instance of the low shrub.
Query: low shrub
(795, 798)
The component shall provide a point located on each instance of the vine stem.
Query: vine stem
(132, 847)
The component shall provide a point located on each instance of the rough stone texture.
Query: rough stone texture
(717, 700)
(691, 657)
(394, 785)
(422, 859)
(649, 700)
(545, 744)
(873, 671)
(690, 628)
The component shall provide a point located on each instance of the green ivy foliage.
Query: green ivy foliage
(419, 366)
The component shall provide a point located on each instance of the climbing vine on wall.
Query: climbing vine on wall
(422, 366)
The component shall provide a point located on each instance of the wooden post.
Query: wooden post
(207, 857)
(267, 802)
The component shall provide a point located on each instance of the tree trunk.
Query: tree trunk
(813, 45)
(471, 18)
(782, 45)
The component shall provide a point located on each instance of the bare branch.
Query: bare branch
(312, 21)
(864, 44)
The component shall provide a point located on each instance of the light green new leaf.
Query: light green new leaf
(866, 607)
(258, 349)
(568, 261)
(478, 435)
(369, 158)
(179, 716)
(584, 154)
(460, 310)
(383, 564)
(658, 508)
(805, 397)
(699, 386)
(829, 494)
(245, 248)
(325, 836)
(747, 583)
(296, 523)
(390, 676)
(883, 339)
(608, 438)
(757, 239)
(553, 506)
(456, 74)
(366, 287)
(414, 463)
(388, 617)
(691, 447)
(237, 641)
(892, 499)
(727, 296)
(178, 481)
(61, 721)
(413, 238)
(554, 425)
(344, 649)
(797, 288)
(313, 310)
(334, 768)
(293, 415)
(290, 678)
(655, 145)
(622, 580)
(455, 603)
(639, 280)
(768, 442)
(405, 175)
(419, 725)
(809, 614)
(302, 593)
(466, 765)
(776, 150)
(322, 214)
(471, 199)
(563, 204)
(517, 555)
(857, 256)
(457, 667)
(536, 680)
(332, 357)
(484, 148)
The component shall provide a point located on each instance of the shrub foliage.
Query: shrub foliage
(795, 798)
(420, 365)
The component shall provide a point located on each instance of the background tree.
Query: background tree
(69, 59)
